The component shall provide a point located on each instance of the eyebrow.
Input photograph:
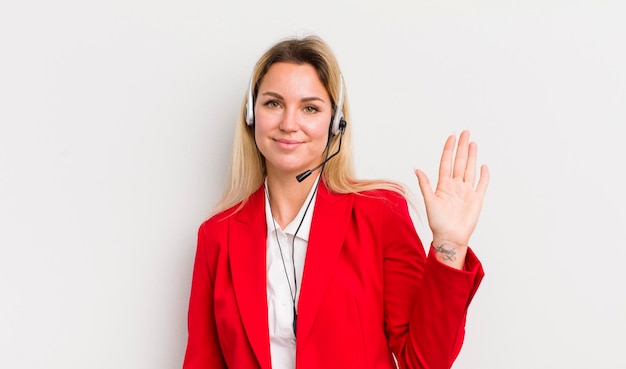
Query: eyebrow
(304, 99)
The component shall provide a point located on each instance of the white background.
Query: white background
(116, 124)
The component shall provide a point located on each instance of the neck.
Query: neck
(287, 196)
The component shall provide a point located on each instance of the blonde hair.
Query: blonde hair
(247, 170)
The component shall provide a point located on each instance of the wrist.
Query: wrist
(450, 253)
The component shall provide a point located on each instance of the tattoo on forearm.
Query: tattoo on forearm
(448, 254)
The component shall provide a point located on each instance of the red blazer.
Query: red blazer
(368, 290)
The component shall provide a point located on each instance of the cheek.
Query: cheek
(259, 140)
(320, 133)
(261, 131)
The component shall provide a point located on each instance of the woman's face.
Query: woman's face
(292, 116)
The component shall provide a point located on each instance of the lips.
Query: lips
(286, 144)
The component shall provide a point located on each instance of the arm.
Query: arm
(203, 349)
(425, 300)
(435, 294)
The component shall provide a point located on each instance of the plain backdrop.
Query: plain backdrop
(116, 122)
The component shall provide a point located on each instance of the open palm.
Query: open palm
(454, 206)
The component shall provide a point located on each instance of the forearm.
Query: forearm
(437, 324)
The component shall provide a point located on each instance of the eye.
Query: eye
(311, 109)
(272, 104)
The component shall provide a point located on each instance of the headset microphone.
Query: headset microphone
(302, 176)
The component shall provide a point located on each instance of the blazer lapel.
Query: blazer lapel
(330, 223)
(247, 251)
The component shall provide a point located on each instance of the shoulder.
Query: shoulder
(221, 219)
(386, 214)
(379, 205)
(384, 194)
(243, 210)
(213, 235)
(381, 199)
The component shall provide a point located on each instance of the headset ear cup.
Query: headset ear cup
(249, 115)
(250, 106)
(338, 118)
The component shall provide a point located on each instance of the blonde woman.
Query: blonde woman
(327, 271)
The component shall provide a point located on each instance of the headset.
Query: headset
(338, 124)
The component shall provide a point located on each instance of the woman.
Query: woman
(327, 271)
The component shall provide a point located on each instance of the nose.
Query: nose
(289, 121)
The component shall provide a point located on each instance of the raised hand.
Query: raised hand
(454, 207)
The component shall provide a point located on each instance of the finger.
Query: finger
(424, 183)
(483, 181)
(470, 168)
(460, 161)
(445, 165)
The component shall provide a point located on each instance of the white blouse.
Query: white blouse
(279, 294)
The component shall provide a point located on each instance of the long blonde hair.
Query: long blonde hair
(247, 170)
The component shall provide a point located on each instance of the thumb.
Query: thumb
(424, 183)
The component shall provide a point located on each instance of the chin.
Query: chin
(289, 169)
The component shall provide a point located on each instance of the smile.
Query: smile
(287, 144)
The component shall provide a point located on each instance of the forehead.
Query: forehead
(295, 78)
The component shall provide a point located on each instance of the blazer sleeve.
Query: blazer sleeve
(425, 301)
(203, 348)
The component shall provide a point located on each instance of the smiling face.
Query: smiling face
(292, 117)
